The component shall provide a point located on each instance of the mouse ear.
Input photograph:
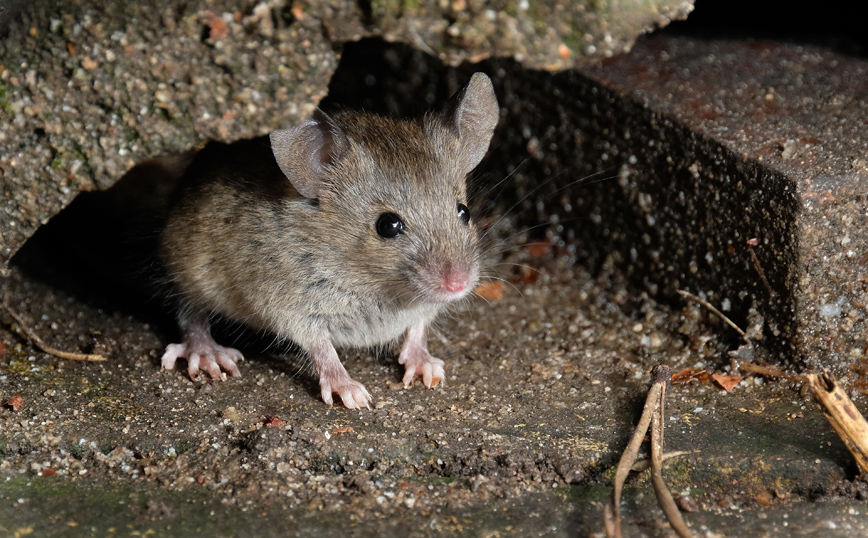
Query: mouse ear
(305, 152)
(472, 115)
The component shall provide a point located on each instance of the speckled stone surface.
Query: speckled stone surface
(542, 34)
(88, 89)
(544, 383)
(732, 169)
(767, 204)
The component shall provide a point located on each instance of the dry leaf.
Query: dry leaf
(217, 29)
(686, 504)
(14, 402)
(764, 498)
(491, 290)
(538, 250)
(273, 422)
(345, 429)
(690, 373)
(727, 382)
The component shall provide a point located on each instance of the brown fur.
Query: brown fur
(243, 241)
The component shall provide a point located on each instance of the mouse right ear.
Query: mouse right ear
(472, 114)
(305, 152)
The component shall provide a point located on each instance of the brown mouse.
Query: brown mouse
(348, 230)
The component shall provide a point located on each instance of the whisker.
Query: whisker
(579, 181)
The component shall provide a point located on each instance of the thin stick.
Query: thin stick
(759, 269)
(653, 412)
(38, 342)
(664, 498)
(613, 509)
(737, 365)
(711, 307)
(843, 416)
(642, 465)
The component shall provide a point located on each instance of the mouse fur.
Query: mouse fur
(282, 233)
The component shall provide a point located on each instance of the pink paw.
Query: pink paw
(208, 357)
(353, 394)
(419, 362)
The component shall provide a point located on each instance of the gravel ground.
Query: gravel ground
(543, 385)
(546, 376)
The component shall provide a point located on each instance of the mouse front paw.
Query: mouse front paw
(353, 394)
(418, 362)
(209, 356)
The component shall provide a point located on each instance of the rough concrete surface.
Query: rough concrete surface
(89, 88)
(544, 384)
(780, 157)
(546, 34)
(541, 392)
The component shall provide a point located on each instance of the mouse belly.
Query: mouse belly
(373, 328)
(315, 313)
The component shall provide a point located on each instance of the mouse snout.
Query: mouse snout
(455, 281)
(449, 280)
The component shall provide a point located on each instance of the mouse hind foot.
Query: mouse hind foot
(208, 358)
(201, 351)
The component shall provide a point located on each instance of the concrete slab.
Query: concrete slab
(544, 384)
(543, 389)
(89, 89)
(761, 201)
(734, 169)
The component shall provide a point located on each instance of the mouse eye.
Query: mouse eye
(390, 225)
(463, 213)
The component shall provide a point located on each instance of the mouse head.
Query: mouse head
(392, 194)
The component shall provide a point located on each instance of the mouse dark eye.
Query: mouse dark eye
(390, 225)
(463, 213)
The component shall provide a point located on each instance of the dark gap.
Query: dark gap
(836, 24)
(101, 248)
(367, 11)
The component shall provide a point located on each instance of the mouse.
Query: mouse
(350, 230)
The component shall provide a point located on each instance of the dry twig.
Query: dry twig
(642, 465)
(765, 370)
(28, 333)
(711, 307)
(653, 413)
(759, 269)
(843, 416)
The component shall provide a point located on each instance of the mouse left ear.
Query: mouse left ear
(472, 115)
(305, 152)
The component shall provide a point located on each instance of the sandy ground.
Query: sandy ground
(543, 386)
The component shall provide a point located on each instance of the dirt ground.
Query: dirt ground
(543, 387)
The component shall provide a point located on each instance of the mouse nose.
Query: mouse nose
(455, 281)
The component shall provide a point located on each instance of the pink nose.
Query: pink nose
(455, 283)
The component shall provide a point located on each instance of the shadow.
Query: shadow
(102, 247)
(838, 25)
